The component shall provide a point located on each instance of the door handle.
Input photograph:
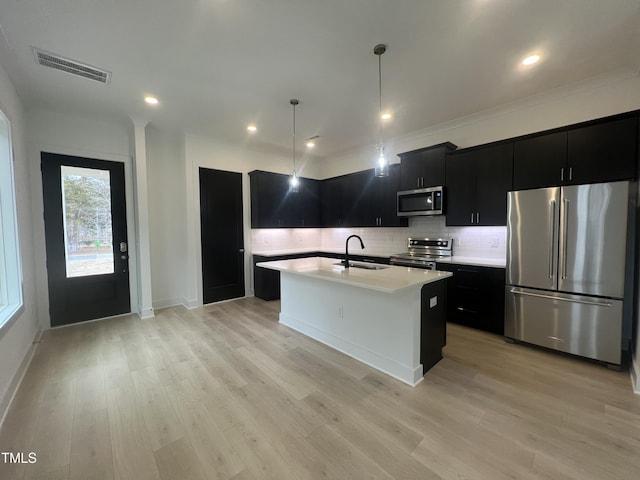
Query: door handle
(571, 300)
(553, 236)
(566, 243)
(471, 217)
(477, 217)
(241, 250)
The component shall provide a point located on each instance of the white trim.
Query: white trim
(10, 394)
(166, 303)
(190, 303)
(147, 313)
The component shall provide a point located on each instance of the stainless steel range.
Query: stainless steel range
(423, 252)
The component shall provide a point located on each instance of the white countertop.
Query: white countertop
(463, 260)
(479, 261)
(338, 251)
(389, 280)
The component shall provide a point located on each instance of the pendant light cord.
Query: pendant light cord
(380, 97)
(294, 138)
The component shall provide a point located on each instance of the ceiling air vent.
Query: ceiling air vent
(52, 60)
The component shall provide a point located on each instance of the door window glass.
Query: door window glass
(86, 207)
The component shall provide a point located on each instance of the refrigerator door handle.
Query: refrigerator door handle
(551, 297)
(565, 240)
(552, 228)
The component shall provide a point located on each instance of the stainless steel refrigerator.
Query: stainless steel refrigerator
(566, 256)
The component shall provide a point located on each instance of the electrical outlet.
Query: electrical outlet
(495, 242)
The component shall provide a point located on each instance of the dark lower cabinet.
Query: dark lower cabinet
(475, 296)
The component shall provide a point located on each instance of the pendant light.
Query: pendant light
(294, 182)
(382, 165)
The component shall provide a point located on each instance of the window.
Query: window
(10, 272)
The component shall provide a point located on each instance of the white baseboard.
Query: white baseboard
(147, 313)
(166, 303)
(190, 303)
(5, 402)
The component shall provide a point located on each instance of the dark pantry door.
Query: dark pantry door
(221, 235)
(85, 225)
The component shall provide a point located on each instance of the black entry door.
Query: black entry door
(86, 235)
(222, 235)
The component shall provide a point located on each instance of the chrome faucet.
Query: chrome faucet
(346, 249)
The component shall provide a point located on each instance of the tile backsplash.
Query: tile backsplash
(485, 242)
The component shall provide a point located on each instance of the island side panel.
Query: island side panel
(433, 335)
(379, 329)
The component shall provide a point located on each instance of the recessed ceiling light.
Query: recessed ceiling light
(252, 128)
(531, 59)
(385, 116)
(151, 100)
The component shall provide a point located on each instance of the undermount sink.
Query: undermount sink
(365, 266)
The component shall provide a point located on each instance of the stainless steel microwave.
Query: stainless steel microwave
(423, 201)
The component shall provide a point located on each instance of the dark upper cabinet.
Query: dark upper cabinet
(539, 161)
(424, 167)
(478, 180)
(268, 191)
(460, 193)
(304, 206)
(378, 200)
(274, 205)
(604, 152)
(600, 151)
(340, 201)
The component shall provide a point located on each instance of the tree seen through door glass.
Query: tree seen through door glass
(86, 202)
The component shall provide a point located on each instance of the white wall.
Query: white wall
(167, 220)
(105, 139)
(208, 153)
(595, 98)
(16, 340)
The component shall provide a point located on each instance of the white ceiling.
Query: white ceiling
(217, 65)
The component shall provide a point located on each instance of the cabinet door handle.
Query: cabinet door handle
(570, 173)
(477, 217)
(562, 174)
(471, 217)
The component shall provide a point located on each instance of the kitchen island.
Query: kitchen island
(389, 317)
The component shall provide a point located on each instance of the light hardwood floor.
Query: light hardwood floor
(225, 392)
